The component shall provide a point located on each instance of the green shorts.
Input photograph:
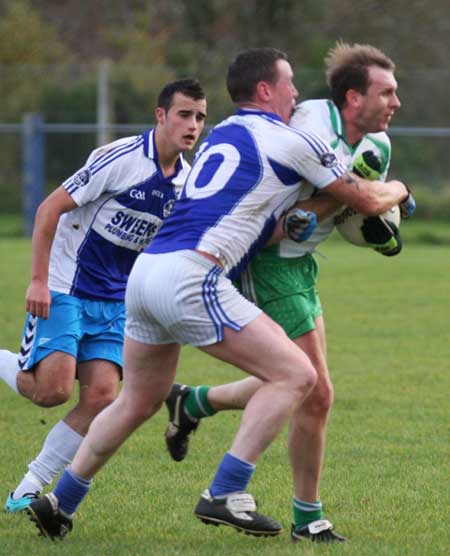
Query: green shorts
(285, 289)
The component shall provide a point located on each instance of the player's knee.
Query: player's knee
(96, 399)
(304, 379)
(51, 398)
(320, 401)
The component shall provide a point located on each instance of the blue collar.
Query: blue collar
(151, 152)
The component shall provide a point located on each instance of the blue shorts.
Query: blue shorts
(83, 328)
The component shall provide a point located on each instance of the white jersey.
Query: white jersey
(246, 173)
(122, 198)
(323, 118)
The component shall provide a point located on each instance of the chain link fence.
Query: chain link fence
(76, 115)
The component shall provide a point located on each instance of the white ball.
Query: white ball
(348, 224)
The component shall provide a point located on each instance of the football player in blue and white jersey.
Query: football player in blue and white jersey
(282, 279)
(86, 237)
(247, 172)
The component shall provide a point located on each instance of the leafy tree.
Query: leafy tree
(28, 46)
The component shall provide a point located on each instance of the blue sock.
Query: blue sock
(70, 491)
(232, 475)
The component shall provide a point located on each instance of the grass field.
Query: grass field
(386, 480)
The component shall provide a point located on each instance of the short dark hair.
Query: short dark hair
(189, 87)
(347, 67)
(249, 68)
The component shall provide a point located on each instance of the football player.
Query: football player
(86, 237)
(247, 172)
(282, 279)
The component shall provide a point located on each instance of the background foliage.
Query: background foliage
(50, 53)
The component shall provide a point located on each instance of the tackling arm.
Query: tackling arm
(369, 197)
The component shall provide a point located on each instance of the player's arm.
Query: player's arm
(37, 300)
(371, 197)
(321, 205)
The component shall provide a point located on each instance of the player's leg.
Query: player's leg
(263, 349)
(187, 405)
(307, 437)
(49, 383)
(150, 370)
(183, 297)
(308, 424)
(44, 370)
(276, 285)
(98, 370)
(99, 381)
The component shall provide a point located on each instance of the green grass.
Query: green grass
(385, 482)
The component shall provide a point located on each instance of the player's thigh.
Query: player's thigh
(262, 349)
(312, 343)
(56, 374)
(46, 341)
(148, 371)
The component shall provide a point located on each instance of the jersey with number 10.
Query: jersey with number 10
(246, 173)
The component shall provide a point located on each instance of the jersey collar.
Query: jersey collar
(254, 112)
(151, 152)
(338, 127)
(149, 144)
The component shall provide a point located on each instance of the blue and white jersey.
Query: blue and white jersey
(322, 117)
(122, 198)
(247, 171)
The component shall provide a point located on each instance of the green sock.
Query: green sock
(305, 512)
(197, 405)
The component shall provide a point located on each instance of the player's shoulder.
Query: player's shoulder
(319, 108)
(380, 137)
(314, 115)
(116, 148)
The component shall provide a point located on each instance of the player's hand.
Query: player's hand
(299, 224)
(382, 236)
(408, 206)
(38, 299)
(367, 165)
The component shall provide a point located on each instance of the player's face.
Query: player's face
(284, 92)
(183, 123)
(380, 102)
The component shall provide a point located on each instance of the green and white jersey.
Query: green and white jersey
(323, 118)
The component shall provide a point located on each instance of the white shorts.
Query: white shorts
(182, 297)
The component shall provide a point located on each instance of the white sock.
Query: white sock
(58, 451)
(9, 368)
(29, 485)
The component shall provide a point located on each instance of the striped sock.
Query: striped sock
(197, 405)
(306, 512)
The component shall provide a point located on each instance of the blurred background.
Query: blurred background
(77, 74)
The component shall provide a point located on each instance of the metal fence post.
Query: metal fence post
(103, 102)
(33, 168)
